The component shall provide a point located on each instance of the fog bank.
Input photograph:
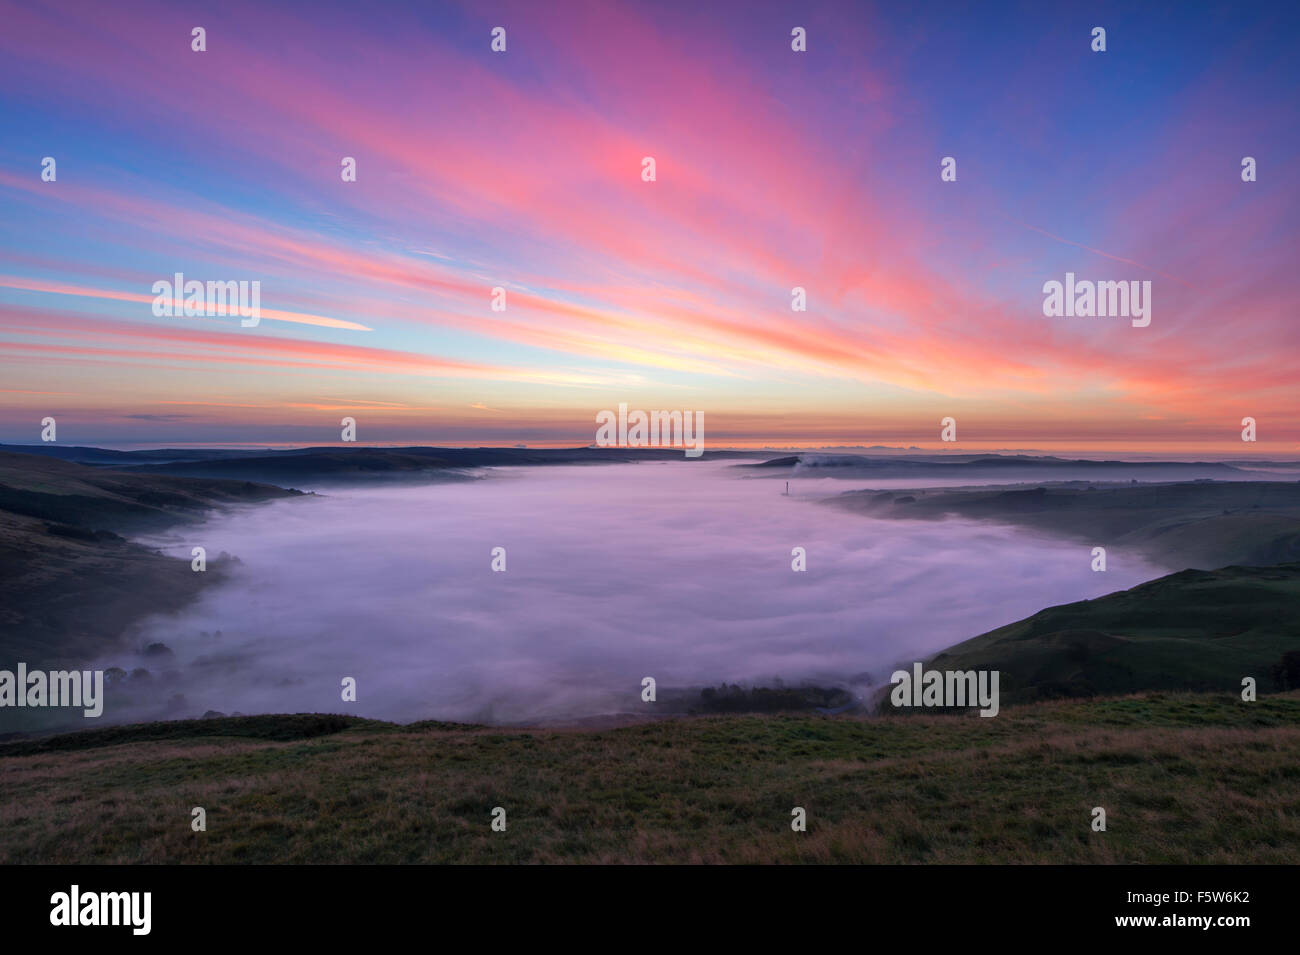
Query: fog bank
(680, 571)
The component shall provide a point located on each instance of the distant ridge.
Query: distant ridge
(355, 461)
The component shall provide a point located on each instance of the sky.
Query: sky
(522, 170)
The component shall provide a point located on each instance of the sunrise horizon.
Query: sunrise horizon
(829, 250)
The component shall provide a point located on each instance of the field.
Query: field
(1184, 778)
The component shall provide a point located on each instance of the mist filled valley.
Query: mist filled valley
(679, 571)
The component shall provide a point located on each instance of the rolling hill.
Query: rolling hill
(70, 583)
(1193, 630)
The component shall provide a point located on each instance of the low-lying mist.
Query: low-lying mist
(679, 571)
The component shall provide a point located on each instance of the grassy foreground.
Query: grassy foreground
(1184, 778)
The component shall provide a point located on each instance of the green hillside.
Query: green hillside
(1194, 630)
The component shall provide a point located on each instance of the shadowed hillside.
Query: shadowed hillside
(1194, 630)
(70, 583)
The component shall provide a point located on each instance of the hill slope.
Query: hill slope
(1183, 779)
(1194, 630)
(69, 583)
